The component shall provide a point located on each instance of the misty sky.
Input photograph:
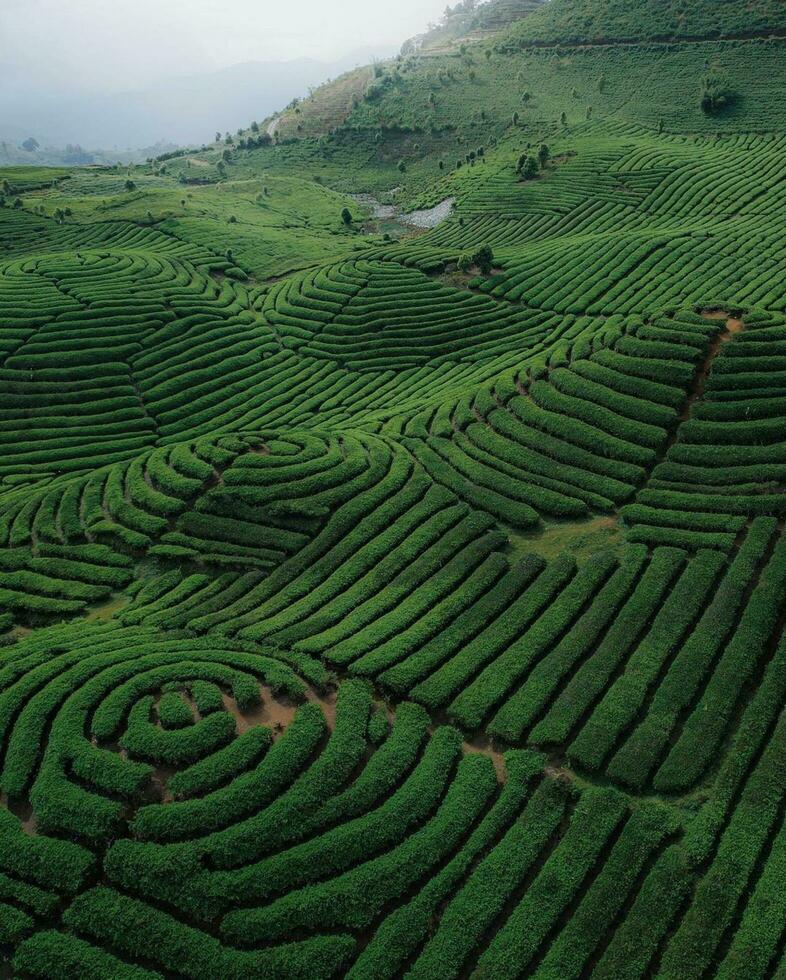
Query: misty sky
(118, 46)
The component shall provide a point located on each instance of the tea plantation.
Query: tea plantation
(388, 596)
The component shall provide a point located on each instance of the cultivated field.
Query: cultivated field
(382, 603)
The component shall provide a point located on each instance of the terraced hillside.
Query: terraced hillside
(379, 602)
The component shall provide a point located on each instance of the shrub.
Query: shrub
(527, 167)
(716, 96)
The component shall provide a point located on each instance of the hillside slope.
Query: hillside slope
(381, 601)
(421, 115)
(591, 21)
(469, 20)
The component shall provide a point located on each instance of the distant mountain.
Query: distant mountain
(184, 110)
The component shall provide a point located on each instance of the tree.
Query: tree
(7, 188)
(218, 137)
(226, 156)
(402, 167)
(18, 202)
(346, 216)
(543, 155)
(525, 97)
(715, 96)
(484, 259)
(130, 185)
(515, 119)
(527, 167)
(30, 144)
(564, 119)
(255, 126)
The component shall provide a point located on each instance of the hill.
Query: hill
(393, 524)
(433, 107)
(469, 20)
(598, 21)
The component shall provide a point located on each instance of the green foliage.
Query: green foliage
(588, 21)
(301, 529)
(716, 96)
(527, 167)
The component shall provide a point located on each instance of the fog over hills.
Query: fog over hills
(186, 109)
(105, 77)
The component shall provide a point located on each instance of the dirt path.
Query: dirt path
(697, 389)
(483, 745)
(699, 383)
